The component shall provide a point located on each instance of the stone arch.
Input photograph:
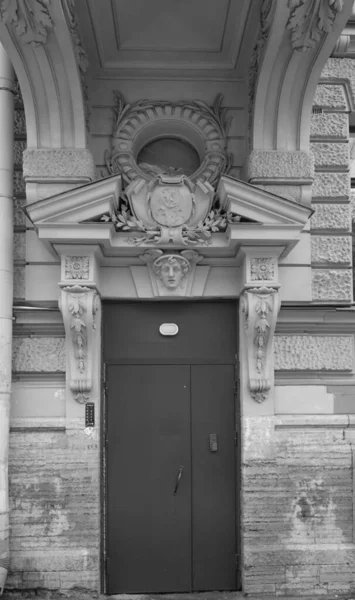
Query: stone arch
(287, 78)
(48, 73)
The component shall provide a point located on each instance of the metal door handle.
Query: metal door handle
(179, 475)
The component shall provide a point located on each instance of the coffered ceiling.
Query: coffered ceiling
(169, 35)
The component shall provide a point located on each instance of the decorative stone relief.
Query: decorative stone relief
(330, 125)
(260, 307)
(79, 306)
(331, 216)
(352, 205)
(331, 249)
(279, 164)
(331, 155)
(59, 162)
(77, 267)
(332, 285)
(38, 354)
(30, 19)
(331, 185)
(331, 96)
(81, 56)
(142, 122)
(314, 352)
(309, 21)
(171, 274)
(262, 269)
(170, 210)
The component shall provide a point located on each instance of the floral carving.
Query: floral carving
(79, 306)
(217, 220)
(309, 19)
(77, 267)
(260, 307)
(30, 19)
(262, 269)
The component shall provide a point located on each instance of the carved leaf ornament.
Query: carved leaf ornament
(78, 325)
(310, 19)
(30, 18)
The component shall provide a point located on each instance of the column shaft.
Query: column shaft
(6, 294)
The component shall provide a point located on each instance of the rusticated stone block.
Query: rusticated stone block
(19, 215)
(331, 185)
(280, 164)
(331, 216)
(340, 69)
(19, 282)
(332, 285)
(314, 353)
(19, 147)
(331, 154)
(19, 184)
(19, 246)
(20, 123)
(330, 125)
(331, 249)
(59, 162)
(38, 354)
(331, 96)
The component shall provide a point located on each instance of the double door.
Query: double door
(171, 473)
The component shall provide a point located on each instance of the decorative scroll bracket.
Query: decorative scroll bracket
(260, 306)
(79, 306)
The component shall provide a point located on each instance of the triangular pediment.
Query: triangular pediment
(259, 205)
(75, 216)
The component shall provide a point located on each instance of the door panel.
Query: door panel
(149, 528)
(213, 477)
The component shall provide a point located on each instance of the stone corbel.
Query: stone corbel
(260, 305)
(79, 306)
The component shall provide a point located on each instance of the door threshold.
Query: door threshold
(181, 596)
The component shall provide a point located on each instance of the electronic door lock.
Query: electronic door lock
(213, 442)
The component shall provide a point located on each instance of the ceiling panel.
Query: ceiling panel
(162, 34)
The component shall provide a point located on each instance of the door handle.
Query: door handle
(178, 478)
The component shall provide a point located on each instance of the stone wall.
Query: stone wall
(298, 506)
(54, 471)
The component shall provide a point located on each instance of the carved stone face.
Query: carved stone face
(171, 270)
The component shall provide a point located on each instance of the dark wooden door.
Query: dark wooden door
(164, 419)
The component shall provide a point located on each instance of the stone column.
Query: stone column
(6, 295)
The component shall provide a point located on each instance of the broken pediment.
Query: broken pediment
(169, 212)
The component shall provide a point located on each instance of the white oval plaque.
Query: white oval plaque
(168, 329)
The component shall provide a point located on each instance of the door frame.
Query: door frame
(104, 444)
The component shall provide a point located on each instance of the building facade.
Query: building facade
(177, 296)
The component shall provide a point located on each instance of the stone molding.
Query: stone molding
(314, 352)
(58, 163)
(38, 354)
(280, 166)
(260, 307)
(30, 19)
(79, 306)
(332, 285)
(308, 23)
